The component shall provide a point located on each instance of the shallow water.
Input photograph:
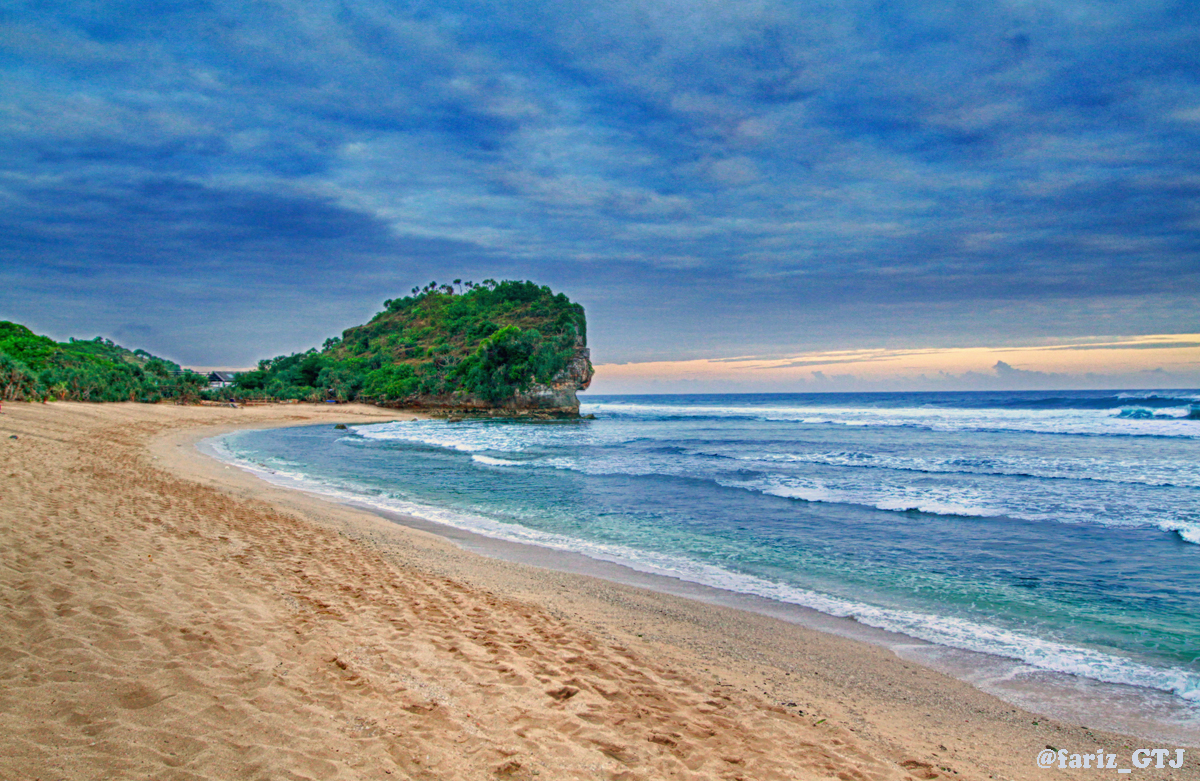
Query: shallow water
(1058, 529)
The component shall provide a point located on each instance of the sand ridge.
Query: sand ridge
(171, 619)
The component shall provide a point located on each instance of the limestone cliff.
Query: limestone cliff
(559, 393)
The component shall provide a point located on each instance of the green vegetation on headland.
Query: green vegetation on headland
(35, 368)
(461, 346)
(514, 346)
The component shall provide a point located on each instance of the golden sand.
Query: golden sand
(163, 616)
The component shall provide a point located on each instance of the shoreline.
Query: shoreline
(1119, 708)
(232, 627)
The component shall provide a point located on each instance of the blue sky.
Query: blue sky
(225, 181)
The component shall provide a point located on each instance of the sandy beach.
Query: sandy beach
(166, 616)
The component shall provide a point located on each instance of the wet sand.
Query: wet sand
(163, 615)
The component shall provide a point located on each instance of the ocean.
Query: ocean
(1059, 531)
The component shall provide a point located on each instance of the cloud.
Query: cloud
(1009, 375)
(779, 174)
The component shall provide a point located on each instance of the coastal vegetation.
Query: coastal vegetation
(451, 345)
(35, 368)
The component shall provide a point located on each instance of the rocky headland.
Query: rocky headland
(511, 349)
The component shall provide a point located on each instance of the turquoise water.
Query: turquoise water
(1059, 529)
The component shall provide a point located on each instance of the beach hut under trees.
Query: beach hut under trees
(220, 379)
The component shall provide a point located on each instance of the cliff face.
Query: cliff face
(559, 394)
(553, 399)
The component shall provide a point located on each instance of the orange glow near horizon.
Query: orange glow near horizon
(1161, 360)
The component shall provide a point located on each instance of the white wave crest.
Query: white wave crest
(1051, 421)
(1189, 532)
(491, 461)
(934, 505)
